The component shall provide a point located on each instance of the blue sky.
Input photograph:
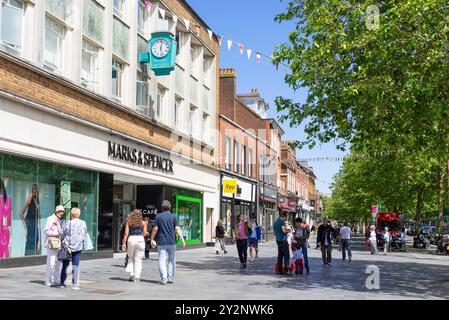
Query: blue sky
(251, 23)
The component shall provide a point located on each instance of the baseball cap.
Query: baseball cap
(59, 208)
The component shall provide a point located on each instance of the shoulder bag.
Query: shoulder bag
(64, 253)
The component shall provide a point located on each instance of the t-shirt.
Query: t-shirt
(386, 236)
(301, 234)
(280, 235)
(253, 231)
(242, 230)
(166, 222)
(326, 237)
(372, 236)
(345, 233)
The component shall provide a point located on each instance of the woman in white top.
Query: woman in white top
(386, 239)
(373, 240)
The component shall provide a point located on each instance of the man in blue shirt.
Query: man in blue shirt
(165, 228)
(281, 230)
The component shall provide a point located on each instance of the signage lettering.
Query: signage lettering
(146, 159)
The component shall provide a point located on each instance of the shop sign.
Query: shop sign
(135, 156)
(229, 186)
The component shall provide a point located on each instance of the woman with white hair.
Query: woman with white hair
(373, 240)
(75, 238)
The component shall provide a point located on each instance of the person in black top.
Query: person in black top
(325, 235)
(219, 237)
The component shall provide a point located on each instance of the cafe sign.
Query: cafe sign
(139, 157)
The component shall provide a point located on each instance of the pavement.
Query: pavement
(201, 274)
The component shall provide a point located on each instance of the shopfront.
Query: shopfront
(268, 210)
(244, 202)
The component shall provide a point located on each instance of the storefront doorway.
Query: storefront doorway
(120, 215)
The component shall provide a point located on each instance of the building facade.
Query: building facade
(84, 124)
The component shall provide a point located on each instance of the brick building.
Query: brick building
(83, 123)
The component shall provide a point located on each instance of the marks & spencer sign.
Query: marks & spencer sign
(135, 156)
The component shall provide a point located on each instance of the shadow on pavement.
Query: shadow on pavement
(41, 282)
(141, 280)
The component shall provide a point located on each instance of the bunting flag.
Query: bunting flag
(198, 28)
(175, 19)
(229, 44)
(248, 52)
(219, 38)
(241, 48)
(258, 57)
(187, 23)
(162, 12)
(148, 5)
(210, 34)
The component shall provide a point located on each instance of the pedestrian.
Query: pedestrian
(326, 233)
(297, 255)
(75, 238)
(122, 236)
(241, 231)
(165, 228)
(281, 230)
(301, 237)
(53, 233)
(220, 237)
(134, 244)
(345, 234)
(147, 239)
(372, 238)
(253, 240)
(386, 239)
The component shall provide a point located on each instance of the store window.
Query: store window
(32, 189)
(11, 23)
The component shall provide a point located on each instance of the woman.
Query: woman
(241, 236)
(373, 240)
(75, 238)
(386, 239)
(31, 222)
(53, 233)
(134, 244)
(219, 237)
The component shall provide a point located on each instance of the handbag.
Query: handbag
(64, 253)
(54, 243)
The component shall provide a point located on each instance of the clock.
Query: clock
(160, 48)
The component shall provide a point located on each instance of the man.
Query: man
(302, 234)
(345, 235)
(281, 231)
(253, 240)
(325, 235)
(53, 233)
(166, 227)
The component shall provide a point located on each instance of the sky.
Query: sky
(251, 23)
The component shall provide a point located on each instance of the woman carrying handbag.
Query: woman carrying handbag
(75, 239)
(53, 244)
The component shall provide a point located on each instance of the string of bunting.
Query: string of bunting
(196, 29)
(377, 154)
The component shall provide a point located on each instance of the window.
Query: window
(54, 36)
(236, 156)
(117, 71)
(243, 159)
(142, 46)
(11, 23)
(89, 65)
(118, 7)
(141, 17)
(250, 162)
(142, 96)
(93, 20)
(178, 38)
(194, 52)
(61, 9)
(205, 99)
(192, 116)
(228, 154)
(205, 127)
(160, 102)
(193, 91)
(207, 62)
(120, 37)
(177, 113)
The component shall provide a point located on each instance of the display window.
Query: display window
(189, 213)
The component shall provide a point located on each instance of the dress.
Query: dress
(31, 247)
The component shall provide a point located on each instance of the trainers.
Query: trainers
(48, 284)
(163, 283)
(62, 286)
(251, 259)
(131, 279)
(75, 288)
(349, 259)
(241, 266)
(170, 281)
(244, 265)
(225, 252)
(329, 264)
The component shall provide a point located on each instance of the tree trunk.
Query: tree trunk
(440, 194)
(419, 205)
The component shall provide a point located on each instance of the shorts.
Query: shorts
(253, 242)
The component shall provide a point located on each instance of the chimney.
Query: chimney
(256, 91)
(227, 73)
(228, 92)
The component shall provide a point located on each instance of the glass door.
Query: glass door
(120, 216)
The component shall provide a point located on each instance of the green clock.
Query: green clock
(162, 53)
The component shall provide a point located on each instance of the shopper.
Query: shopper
(345, 235)
(53, 233)
(372, 238)
(297, 255)
(326, 233)
(301, 237)
(281, 231)
(166, 226)
(241, 232)
(75, 238)
(220, 237)
(253, 240)
(134, 244)
(386, 239)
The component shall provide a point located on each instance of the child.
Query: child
(297, 256)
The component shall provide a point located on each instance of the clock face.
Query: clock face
(160, 48)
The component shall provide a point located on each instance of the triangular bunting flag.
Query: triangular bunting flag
(266, 60)
(229, 44)
(197, 27)
(248, 52)
(162, 12)
(175, 19)
(258, 57)
(187, 23)
(148, 5)
(241, 48)
(219, 38)
(210, 33)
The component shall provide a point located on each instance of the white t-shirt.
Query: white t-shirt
(345, 233)
(372, 236)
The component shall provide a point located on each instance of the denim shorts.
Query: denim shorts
(253, 242)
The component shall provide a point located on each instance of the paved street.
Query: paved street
(201, 274)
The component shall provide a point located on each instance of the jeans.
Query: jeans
(326, 253)
(242, 249)
(53, 267)
(283, 254)
(136, 251)
(346, 245)
(220, 243)
(167, 252)
(76, 257)
(304, 246)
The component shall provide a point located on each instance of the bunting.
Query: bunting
(187, 23)
(148, 5)
(258, 57)
(229, 44)
(248, 52)
(241, 48)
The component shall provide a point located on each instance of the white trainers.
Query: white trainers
(75, 288)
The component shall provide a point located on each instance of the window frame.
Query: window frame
(120, 68)
(87, 83)
(236, 156)
(243, 169)
(60, 37)
(228, 148)
(17, 48)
